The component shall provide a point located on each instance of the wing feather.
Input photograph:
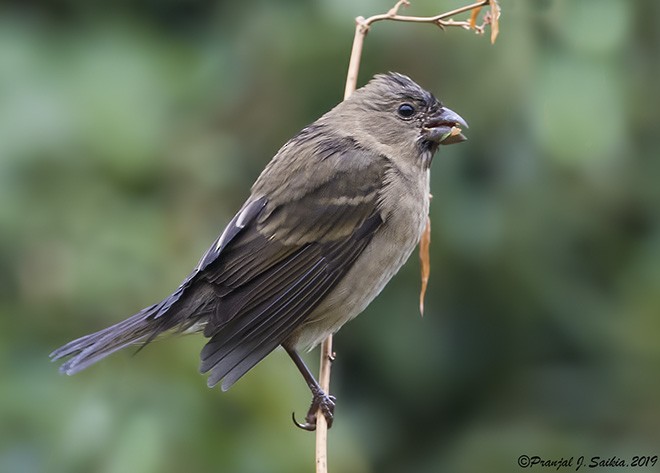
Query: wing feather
(286, 257)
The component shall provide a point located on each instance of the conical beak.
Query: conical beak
(445, 127)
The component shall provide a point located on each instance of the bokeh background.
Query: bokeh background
(130, 133)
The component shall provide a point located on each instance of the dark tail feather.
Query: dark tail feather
(96, 346)
(180, 311)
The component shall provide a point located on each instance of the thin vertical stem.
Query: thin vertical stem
(326, 347)
(361, 28)
(321, 424)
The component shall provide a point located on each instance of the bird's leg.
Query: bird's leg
(320, 400)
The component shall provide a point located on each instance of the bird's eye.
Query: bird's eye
(406, 110)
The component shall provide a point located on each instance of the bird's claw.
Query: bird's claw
(325, 403)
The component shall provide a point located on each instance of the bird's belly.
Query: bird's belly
(388, 250)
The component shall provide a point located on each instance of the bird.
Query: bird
(330, 220)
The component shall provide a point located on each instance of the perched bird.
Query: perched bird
(329, 221)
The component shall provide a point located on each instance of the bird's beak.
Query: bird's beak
(445, 127)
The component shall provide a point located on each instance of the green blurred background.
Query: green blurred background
(130, 133)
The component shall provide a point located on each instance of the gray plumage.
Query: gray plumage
(330, 220)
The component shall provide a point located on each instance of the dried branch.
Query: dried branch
(443, 20)
(361, 29)
(327, 357)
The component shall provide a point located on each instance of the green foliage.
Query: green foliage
(130, 135)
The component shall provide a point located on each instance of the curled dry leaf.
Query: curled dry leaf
(495, 12)
(425, 262)
(473, 17)
(491, 18)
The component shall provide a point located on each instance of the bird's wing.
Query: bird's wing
(283, 253)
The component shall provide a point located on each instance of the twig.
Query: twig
(362, 26)
(327, 356)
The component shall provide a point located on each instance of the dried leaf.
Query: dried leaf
(425, 260)
(473, 17)
(495, 12)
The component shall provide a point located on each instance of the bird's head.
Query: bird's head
(395, 111)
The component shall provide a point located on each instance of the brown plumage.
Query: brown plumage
(330, 220)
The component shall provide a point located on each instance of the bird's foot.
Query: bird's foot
(325, 403)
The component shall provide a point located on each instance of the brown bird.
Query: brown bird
(329, 221)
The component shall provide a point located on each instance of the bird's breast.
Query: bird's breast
(404, 209)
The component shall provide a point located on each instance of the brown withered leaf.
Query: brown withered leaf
(473, 17)
(491, 18)
(495, 12)
(425, 262)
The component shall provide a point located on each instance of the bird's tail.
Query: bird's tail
(177, 312)
(91, 348)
